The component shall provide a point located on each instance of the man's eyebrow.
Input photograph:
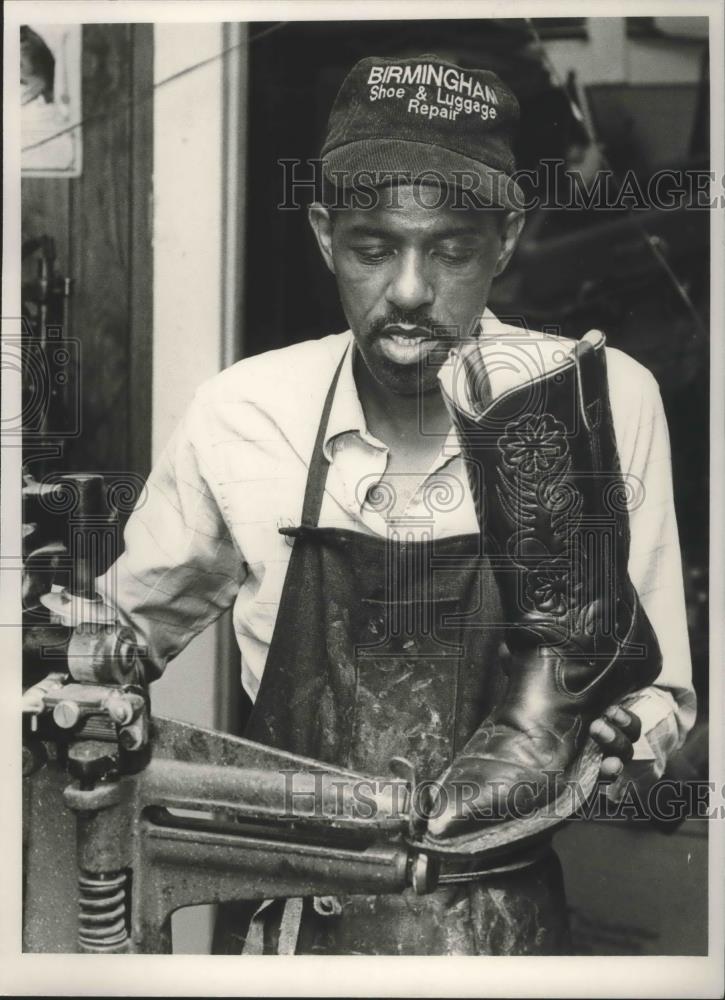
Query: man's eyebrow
(448, 234)
(361, 229)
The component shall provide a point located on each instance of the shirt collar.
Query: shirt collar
(346, 413)
(490, 325)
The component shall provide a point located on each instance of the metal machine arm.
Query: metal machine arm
(168, 814)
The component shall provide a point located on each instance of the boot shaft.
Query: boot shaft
(552, 506)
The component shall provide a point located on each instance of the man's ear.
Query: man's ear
(322, 228)
(513, 223)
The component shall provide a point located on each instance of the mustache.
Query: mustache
(416, 317)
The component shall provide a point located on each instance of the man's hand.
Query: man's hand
(616, 732)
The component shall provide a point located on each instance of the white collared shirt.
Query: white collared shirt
(205, 534)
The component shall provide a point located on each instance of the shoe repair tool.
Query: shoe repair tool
(66, 625)
(171, 815)
(167, 814)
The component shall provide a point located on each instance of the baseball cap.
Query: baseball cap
(423, 120)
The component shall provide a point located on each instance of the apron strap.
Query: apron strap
(319, 466)
(289, 928)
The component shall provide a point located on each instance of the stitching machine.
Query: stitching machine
(128, 817)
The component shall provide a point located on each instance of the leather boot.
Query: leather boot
(552, 507)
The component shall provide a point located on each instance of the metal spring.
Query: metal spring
(96, 727)
(102, 911)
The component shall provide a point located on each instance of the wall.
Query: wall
(100, 224)
(186, 298)
(608, 56)
(191, 318)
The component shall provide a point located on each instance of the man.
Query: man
(323, 491)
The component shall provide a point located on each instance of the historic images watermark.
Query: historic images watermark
(50, 367)
(61, 529)
(318, 795)
(553, 184)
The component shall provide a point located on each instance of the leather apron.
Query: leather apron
(388, 647)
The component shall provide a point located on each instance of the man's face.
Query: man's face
(413, 278)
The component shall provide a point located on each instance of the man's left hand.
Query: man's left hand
(616, 732)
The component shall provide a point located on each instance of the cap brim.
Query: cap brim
(375, 163)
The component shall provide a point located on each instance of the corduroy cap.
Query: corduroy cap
(422, 120)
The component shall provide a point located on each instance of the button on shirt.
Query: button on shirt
(205, 534)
